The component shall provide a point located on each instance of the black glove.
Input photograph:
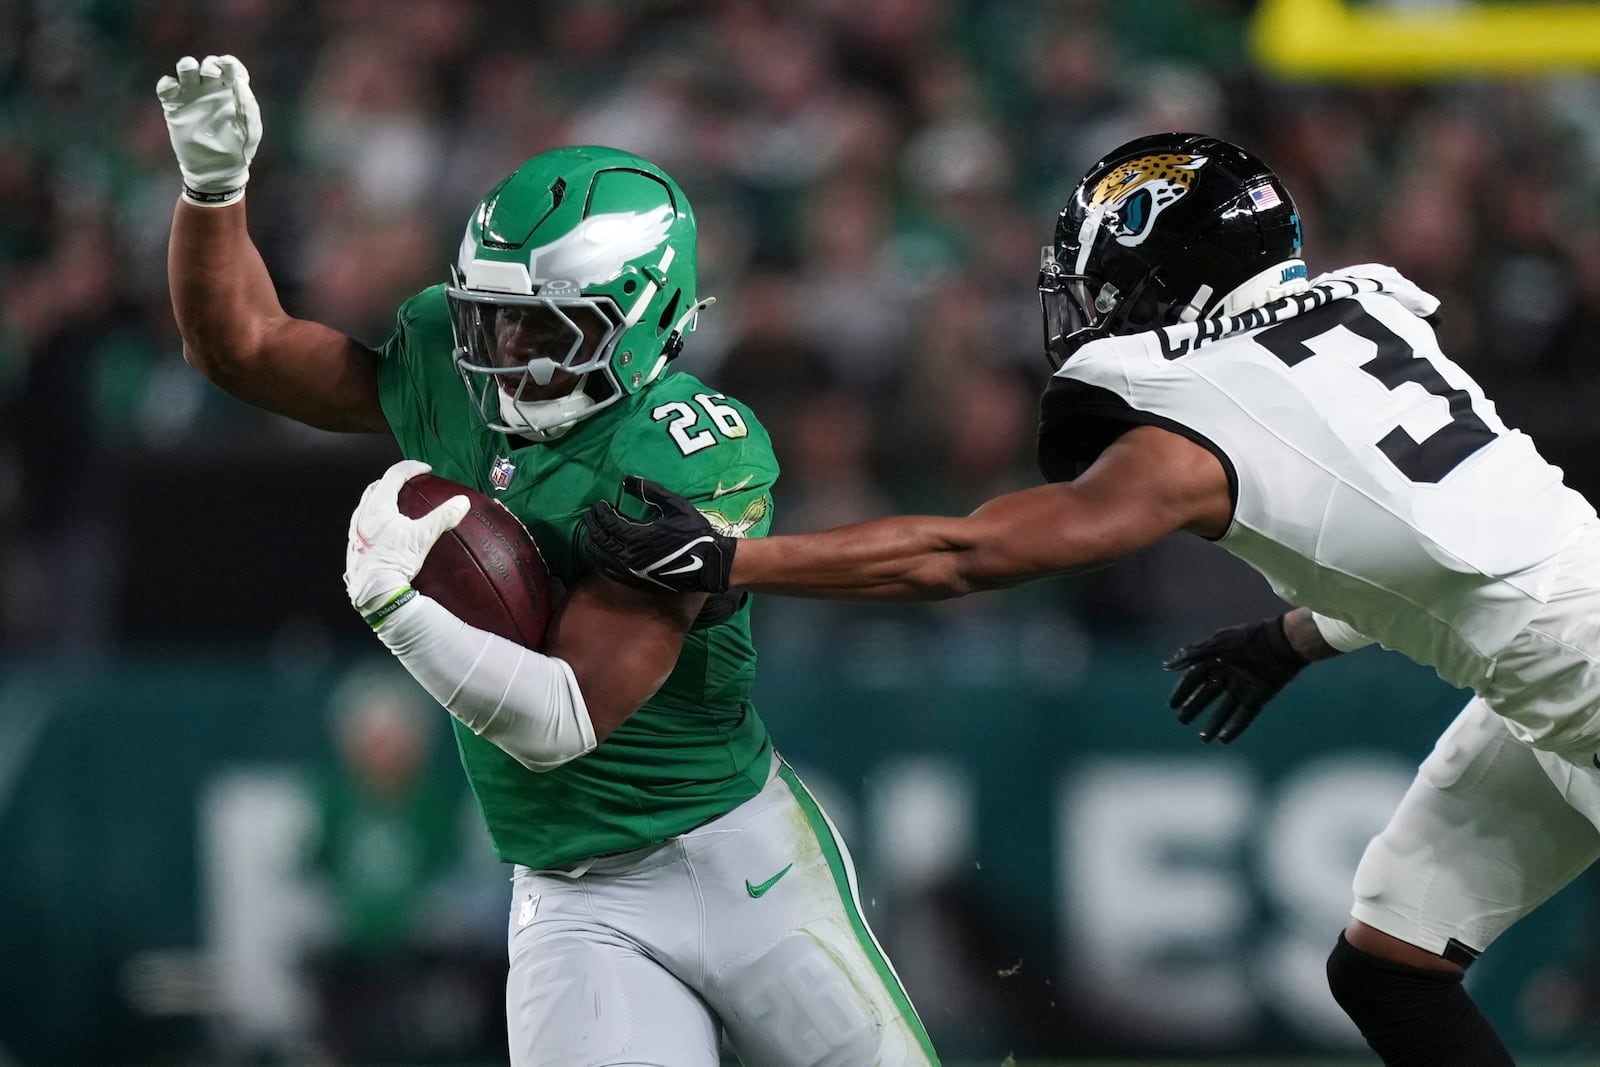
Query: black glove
(675, 549)
(1245, 665)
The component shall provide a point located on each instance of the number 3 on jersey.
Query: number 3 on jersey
(688, 425)
(1396, 363)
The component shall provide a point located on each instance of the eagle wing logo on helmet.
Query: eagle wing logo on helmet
(1134, 194)
(595, 251)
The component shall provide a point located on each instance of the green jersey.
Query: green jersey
(697, 748)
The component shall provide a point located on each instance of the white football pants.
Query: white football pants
(1489, 830)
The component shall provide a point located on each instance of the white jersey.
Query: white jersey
(1373, 482)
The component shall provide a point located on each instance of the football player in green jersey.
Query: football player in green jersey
(674, 880)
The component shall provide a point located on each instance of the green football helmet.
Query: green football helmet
(578, 269)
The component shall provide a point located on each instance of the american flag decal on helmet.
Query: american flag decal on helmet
(1265, 196)
(500, 472)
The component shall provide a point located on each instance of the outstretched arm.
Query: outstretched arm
(1149, 483)
(235, 331)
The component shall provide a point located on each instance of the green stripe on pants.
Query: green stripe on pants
(841, 880)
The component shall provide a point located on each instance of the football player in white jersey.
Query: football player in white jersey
(1312, 427)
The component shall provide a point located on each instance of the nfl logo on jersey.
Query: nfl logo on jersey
(500, 472)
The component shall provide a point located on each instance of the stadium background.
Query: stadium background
(1059, 871)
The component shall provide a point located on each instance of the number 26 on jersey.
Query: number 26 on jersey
(701, 424)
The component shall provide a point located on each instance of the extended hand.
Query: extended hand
(675, 549)
(386, 549)
(214, 123)
(1245, 665)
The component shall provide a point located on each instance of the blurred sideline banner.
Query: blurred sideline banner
(1363, 40)
(1055, 866)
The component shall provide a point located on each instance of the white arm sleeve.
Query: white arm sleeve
(526, 703)
(1340, 635)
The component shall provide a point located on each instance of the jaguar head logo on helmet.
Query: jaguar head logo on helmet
(1130, 198)
(573, 288)
(1167, 228)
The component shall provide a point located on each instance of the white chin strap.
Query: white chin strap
(545, 420)
(1255, 291)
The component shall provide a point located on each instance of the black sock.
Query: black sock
(1412, 1017)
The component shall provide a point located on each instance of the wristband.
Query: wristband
(400, 599)
(204, 199)
(1275, 639)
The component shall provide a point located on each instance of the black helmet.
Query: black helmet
(1167, 228)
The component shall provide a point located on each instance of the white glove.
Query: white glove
(215, 125)
(386, 549)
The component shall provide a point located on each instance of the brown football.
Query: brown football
(487, 571)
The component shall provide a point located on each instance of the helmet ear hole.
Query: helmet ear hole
(1148, 309)
(669, 314)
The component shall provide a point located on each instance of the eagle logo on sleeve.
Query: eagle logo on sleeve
(741, 526)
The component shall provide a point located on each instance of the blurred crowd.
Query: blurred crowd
(873, 179)
(403, 959)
